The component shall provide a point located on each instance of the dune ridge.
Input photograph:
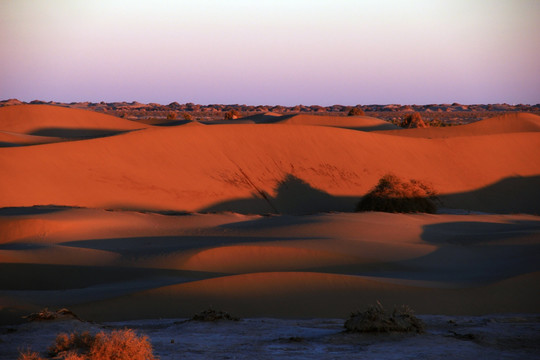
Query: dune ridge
(56, 121)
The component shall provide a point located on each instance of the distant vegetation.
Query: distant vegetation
(432, 114)
(394, 195)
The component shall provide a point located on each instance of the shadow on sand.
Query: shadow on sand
(297, 197)
(293, 196)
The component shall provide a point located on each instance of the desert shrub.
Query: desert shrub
(232, 114)
(121, 345)
(376, 319)
(394, 195)
(356, 111)
(187, 116)
(171, 116)
(45, 315)
(213, 315)
(413, 120)
(71, 343)
(116, 345)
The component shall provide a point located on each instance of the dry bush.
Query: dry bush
(376, 319)
(72, 343)
(46, 314)
(356, 111)
(213, 315)
(187, 116)
(121, 345)
(413, 120)
(171, 116)
(116, 345)
(394, 195)
(232, 114)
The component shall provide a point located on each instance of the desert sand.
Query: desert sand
(118, 220)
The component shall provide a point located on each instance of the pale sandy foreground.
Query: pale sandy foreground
(446, 337)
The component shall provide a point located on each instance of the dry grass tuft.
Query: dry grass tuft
(394, 195)
(116, 345)
(29, 355)
(214, 315)
(376, 320)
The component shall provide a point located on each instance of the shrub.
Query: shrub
(213, 315)
(413, 120)
(356, 111)
(71, 343)
(121, 345)
(393, 195)
(232, 114)
(187, 116)
(171, 116)
(376, 319)
(116, 345)
(46, 314)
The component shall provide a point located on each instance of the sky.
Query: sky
(286, 52)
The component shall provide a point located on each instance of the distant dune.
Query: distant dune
(56, 121)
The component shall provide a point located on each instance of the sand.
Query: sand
(255, 218)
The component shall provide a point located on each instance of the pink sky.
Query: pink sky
(271, 52)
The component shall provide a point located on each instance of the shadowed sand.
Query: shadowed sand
(124, 265)
(59, 247)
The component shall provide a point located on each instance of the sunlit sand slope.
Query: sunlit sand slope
(263, 168)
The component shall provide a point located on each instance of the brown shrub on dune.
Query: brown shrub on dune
(355, 111)
(413, 120)
(394, 195)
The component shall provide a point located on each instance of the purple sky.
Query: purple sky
(284, 52)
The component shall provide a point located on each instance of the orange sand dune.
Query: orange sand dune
(364, 123)
(47, 120)
(257, 168)
(509, 123)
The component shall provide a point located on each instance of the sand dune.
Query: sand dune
(172, 266)
(117, 264)
(254, 168)
(509, 123)
(55, 121)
